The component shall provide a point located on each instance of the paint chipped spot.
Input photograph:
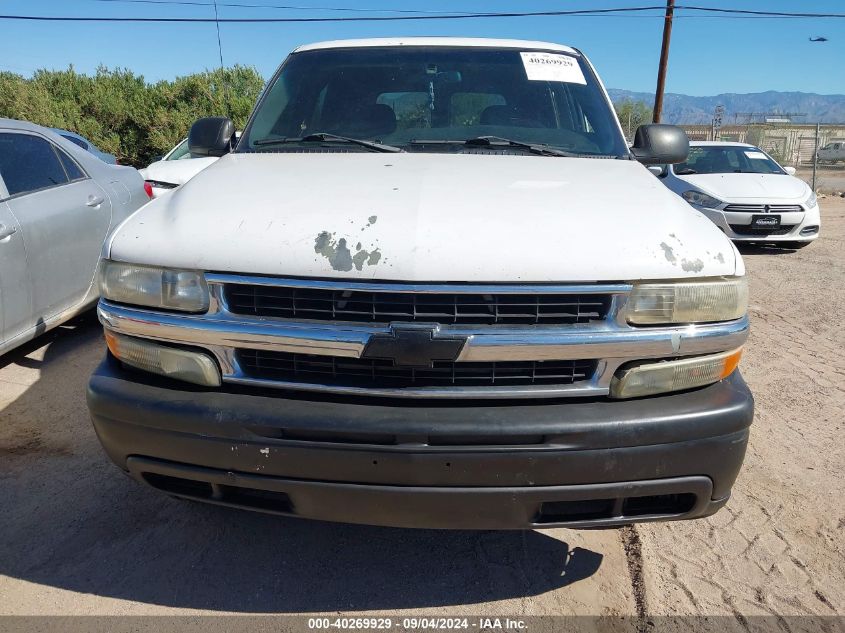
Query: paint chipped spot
(340, 257)
(372, 220)
(265, 452)
(692, 266)
(338, 254)
(668, 252)
(720, 258)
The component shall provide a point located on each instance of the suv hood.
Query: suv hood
(728, 187)
(427, 217)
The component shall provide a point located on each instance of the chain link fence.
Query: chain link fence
(816, 151)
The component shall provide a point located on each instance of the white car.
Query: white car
(832, 152)
(432, 287)
(745, 193)
(58, 204)
(176, 168)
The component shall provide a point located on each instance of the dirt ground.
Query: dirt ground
(77, 537)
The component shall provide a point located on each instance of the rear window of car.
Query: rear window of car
(74, 171)
(76, 141)
(29, 163)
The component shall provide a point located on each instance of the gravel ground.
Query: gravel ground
(79, 538)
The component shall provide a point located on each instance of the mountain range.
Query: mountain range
(679, 108)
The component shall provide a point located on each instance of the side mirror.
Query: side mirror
(658, 170)
(657, 144)
(211, 136)
(790, 171)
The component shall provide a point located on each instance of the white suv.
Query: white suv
(430, 287)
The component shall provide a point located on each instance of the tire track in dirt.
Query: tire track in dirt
(634, 557)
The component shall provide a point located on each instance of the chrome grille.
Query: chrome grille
(765, 208)
(458, 308)
(375, 373)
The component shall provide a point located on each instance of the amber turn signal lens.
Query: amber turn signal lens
(650, 378)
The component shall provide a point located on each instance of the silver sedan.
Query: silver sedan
(58, 205)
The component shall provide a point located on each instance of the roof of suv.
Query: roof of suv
(437, 41)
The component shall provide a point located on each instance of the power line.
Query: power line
(281, 6)
(368, 18)
(777, 14)
(395, 18)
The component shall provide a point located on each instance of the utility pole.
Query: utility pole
(664, 59)
(816, 156)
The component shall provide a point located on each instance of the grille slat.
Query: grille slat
(761, 208)
(746, 229)
(384, 307)
(377, 373)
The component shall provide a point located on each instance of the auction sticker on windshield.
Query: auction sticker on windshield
(551, 67)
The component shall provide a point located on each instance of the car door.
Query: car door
(15, 306)
(63, 215)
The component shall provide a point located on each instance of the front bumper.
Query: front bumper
(736, 224)
(479, 465)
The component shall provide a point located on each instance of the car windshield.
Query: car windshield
(405, 96)
(727, 159)
(179, 152)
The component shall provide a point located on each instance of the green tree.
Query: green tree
(632, 114)
(122, 113)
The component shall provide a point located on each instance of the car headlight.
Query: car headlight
(154, 287)
(701, 199)
(812, 201)
(723, 299)
(653, 377)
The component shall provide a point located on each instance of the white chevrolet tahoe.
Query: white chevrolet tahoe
(431, 286)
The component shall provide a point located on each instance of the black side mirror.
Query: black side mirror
(211, 136)
(657, 144)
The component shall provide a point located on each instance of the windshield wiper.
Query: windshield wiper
(325, 136)
(492, 141)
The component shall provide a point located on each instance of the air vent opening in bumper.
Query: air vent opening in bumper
(379, 374)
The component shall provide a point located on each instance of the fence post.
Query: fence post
(815, 157)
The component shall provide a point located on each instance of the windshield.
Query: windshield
(179, 152)
(727, 159)
(404, 95)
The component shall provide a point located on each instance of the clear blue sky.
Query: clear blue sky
(708, 56)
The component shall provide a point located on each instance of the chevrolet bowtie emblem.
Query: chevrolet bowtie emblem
(414, 346)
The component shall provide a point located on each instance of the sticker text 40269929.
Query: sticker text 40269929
(552, 67)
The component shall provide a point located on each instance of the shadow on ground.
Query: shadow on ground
(766, 249)
(71, 520)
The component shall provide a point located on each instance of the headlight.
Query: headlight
(688, 302)
(812, 200)
(651, 378)
(154, 287)
(181, 364)
(701, 199)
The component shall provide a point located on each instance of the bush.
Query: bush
(123, 114)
